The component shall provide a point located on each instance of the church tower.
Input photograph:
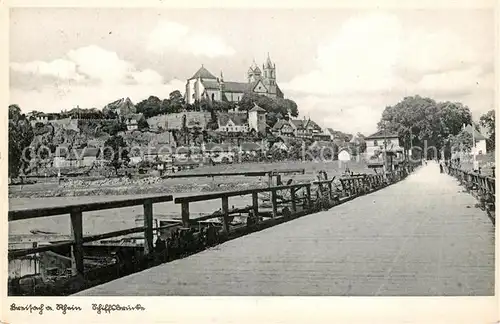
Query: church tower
(254, 73)
(270, 75)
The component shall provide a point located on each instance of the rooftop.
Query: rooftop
(203, 73)
(382, 134)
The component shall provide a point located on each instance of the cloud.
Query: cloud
(377, 60)
(169, 35)
(57, 97)
(60, 69)
(89, 77)
(90, 64)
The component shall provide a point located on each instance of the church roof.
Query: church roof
(279, 93)
(231, 86)
(209, 84)
(203, 74)
(257, 108)
(269, 64)
(254, 68)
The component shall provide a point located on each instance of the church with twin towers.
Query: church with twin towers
(204, 85)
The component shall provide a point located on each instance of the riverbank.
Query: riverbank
(156, 185)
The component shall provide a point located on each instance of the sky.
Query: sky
(342, 67)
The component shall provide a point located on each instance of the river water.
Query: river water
(97, 222)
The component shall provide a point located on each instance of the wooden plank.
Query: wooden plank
(243, 173)
(13, 254)
(218, 214)
(308, 197)
(255, 204)
(66, 209)
(330, 191)
(185, 214)
(212, 196)
(274, 203)
(293, 198)
(77, 248)
(148, 227)
(225, 214)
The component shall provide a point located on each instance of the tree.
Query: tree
(14, 112)
(20, 137)
(176, 100)
(462, 142)
(149, 107)
(116, 152)
(422, 121)
(487, 120)
(273, 106)
(142, 124)
(114, 127)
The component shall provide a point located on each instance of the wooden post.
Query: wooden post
(293, 197)
(330, 190)
(185, 214)
(308, 196)
(255, 205)
(274, 203)
(148, 226)
(77, 248)
(225, 214)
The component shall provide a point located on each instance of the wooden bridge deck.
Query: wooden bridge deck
(420, 237)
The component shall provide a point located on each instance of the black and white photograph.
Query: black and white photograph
(251, 152)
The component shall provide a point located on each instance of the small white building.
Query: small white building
(379, 141)
(234, 122)
(133, 120)
(344, 155)
(480, 141)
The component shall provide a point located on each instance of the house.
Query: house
(219, 153)
(251, 148)
(280, 145)
(89, 156)
(132, 121)
(344, 155)
(312, 128)
(480, 141)
(135, 160)
(232, 122)
(158, 154)
(330, 133)
(381, 140)
(60, 159)
(305, 128)
(38, 117)
(283, 127)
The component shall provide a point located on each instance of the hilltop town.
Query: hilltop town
(215, 122)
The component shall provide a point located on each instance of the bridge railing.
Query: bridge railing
(76, 216)
(268, 206)
(481, 186)
(286, 200)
